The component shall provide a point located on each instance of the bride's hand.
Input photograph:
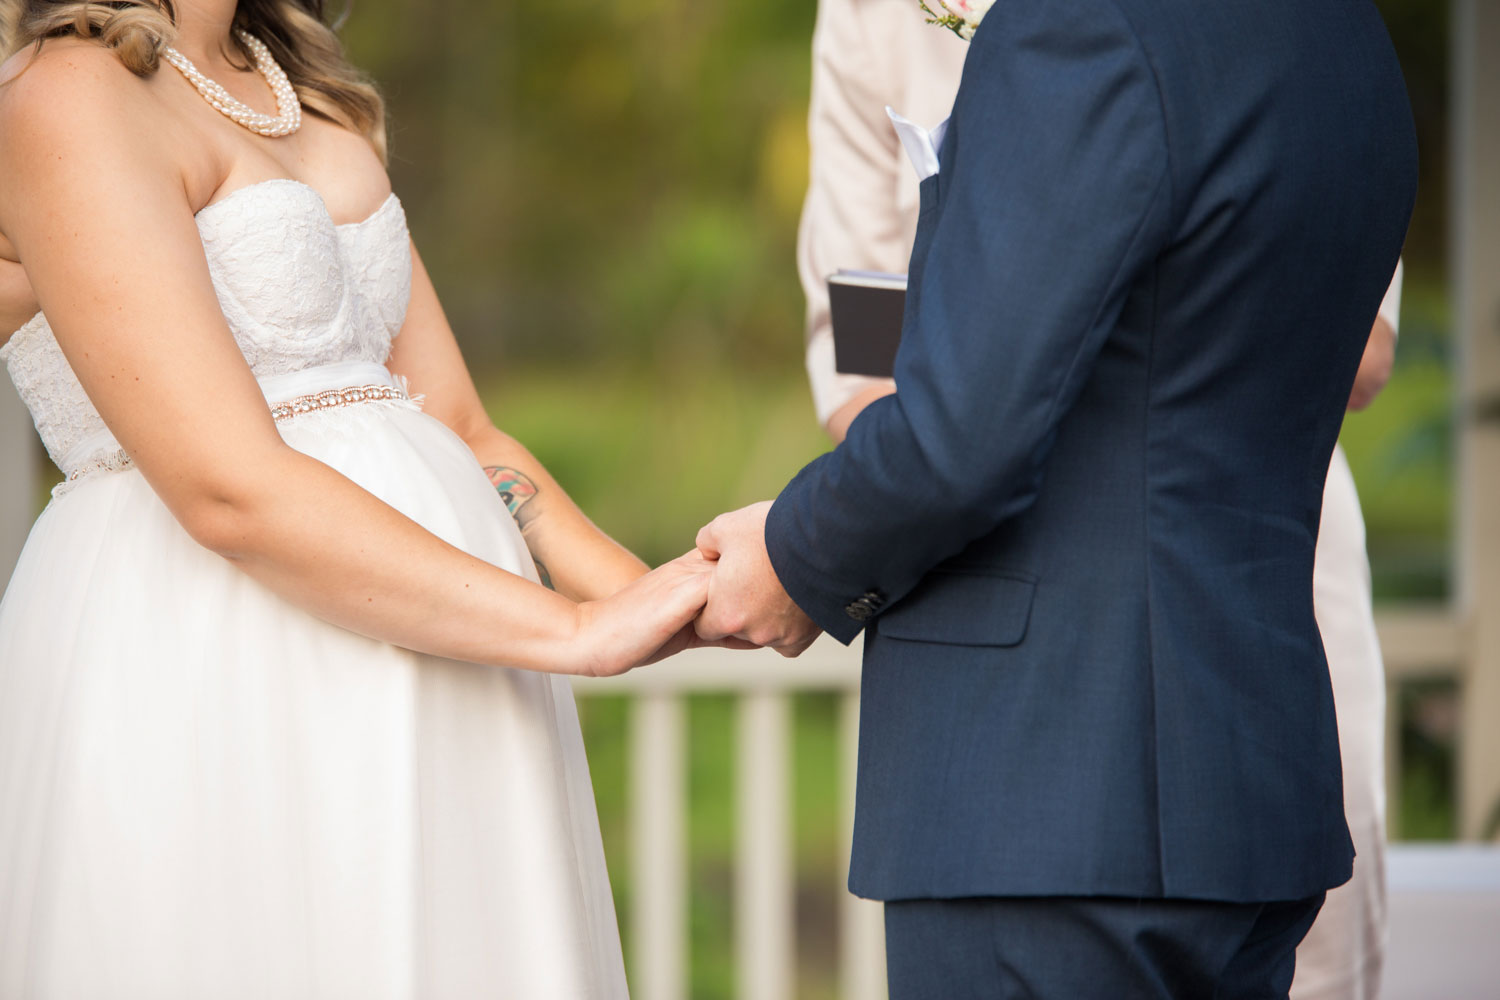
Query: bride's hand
(648, 620)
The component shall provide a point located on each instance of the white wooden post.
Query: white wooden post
(861, 921)
(1475, 216)
(17, 477)
(658, 791)
(765, 950)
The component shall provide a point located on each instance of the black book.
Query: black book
(866, 308)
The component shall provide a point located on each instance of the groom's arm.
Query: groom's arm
(1055, 194)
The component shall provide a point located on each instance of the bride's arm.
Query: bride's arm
(96, 206)
(573, 555)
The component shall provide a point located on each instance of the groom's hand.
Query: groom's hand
(745, 598)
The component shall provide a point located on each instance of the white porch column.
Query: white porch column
(17, 477)
(765, 880)
(1475, 215)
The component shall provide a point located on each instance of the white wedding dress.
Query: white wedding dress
(205, 792)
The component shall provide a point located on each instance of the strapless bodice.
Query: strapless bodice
(297, 290)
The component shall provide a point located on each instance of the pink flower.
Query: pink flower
(959, 16)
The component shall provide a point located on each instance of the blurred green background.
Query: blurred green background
(607, 193)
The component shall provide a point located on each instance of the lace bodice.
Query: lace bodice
(298, 291)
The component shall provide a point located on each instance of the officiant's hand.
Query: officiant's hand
(1375, 367)
(745, 597)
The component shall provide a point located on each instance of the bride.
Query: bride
(282, 705)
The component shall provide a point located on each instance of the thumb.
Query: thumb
(708, 541)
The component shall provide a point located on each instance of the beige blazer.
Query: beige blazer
(861, 207)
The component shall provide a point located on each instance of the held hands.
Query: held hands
(745, 598)
(648, 620)
(725, 593)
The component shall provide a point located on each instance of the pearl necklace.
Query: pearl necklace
(289, 109)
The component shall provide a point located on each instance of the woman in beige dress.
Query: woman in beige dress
(861, 213)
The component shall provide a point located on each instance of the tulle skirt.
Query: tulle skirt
(205, 792)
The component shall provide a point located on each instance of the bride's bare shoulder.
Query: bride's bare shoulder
(73, 113)
(69, 84)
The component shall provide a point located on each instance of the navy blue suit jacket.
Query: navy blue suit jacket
(1081, 534)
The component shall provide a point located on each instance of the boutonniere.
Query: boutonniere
(962, 17)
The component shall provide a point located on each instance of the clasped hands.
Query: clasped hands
(745, 598)
(723, 593)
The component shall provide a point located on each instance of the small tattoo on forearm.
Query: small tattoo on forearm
(517, 490)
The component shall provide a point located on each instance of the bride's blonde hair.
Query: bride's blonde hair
(138, 30)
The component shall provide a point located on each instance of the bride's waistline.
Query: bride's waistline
(289, 395)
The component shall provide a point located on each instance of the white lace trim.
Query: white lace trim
(107, 461)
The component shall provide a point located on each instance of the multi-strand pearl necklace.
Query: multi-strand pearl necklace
(289, 109)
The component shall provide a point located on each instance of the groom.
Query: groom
(1098, 755)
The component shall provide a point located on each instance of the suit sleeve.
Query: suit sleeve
(1053, 198)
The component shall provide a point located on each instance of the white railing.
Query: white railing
(1444, 906)
(765, 925)
(1417, 642)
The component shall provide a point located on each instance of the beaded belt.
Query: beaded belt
(330, 398)
(293, 394)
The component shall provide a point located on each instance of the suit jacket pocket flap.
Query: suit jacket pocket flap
(969, 607)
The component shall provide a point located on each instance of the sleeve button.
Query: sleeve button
(863, 608)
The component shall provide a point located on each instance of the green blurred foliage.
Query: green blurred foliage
(608, 184)
(652, 454)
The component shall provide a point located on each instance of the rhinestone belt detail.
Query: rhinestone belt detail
(330, 398)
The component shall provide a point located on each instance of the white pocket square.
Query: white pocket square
(921, 144)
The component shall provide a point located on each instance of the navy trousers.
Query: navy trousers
(1093, 948)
